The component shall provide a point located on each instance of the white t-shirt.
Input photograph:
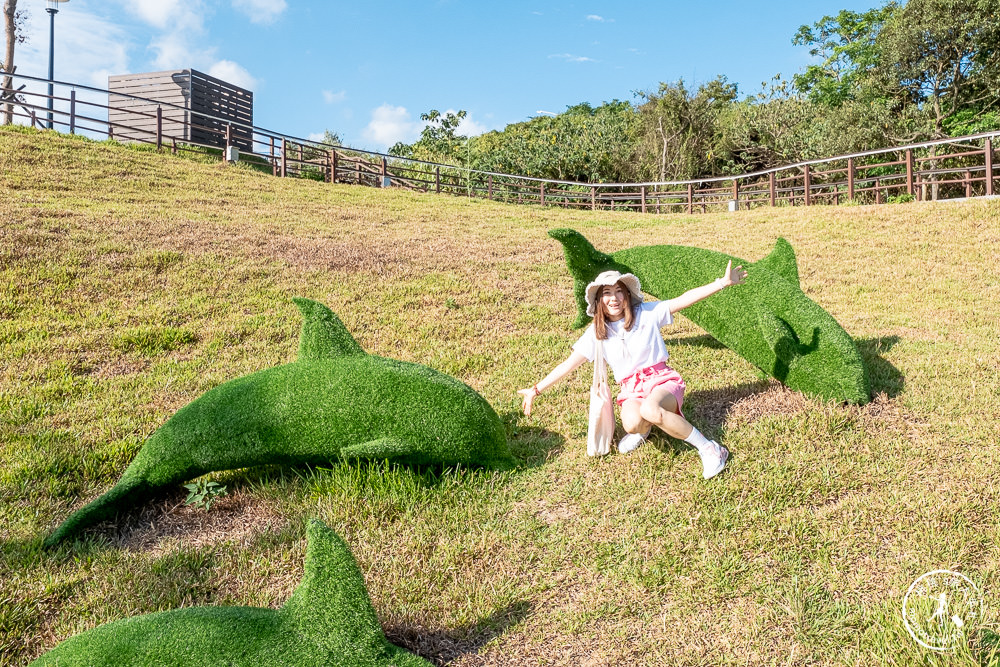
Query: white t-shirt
(629, 351)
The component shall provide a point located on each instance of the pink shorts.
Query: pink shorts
(641, 383)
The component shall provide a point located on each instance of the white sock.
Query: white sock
(696, 439)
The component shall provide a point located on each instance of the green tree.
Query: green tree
(439, 140)
(584, 143)
(943, 55)
(331, 138)
(679, 129)
(848, 46)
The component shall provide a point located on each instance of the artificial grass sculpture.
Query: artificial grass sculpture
(767, 320)
(329, 621)
(334, 401)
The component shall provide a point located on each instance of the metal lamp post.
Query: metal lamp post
(52, 7)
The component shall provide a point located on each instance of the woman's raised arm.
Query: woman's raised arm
(571, 363)
(732, 276)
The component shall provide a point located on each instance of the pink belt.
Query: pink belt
(648, 370)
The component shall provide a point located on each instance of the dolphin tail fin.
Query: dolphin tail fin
(584, 262)
(782, 262)
(323, 336)
(331, 607)
(128, 492)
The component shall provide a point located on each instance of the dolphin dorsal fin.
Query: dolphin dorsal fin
(782, 261)
(323, 336)
(331, 607)
(585, 263)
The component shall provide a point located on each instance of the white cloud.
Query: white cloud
(261, 11)
(180, 25)
(233, 73)
(174, 51)
(595, 17)
(331, 97)
(390, 124)
(173, 15)
(569, 57)
(87, 48)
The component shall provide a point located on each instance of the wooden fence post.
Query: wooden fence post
(850, 178)
(988, 154)
(968, 183)
(159, 127)
(385, 172)
(274, 163)
(878, 190)
(690, 198)
(807, 183)
(772, 185)
(229, 137)
(642, 195)
(736, 193)
(489, 187)
(909, 171)
(541, 193)
(593, 198)
(284, 157)
(437, 180)
(333, 166)
(72, 111)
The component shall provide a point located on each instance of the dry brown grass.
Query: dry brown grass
(799, 554)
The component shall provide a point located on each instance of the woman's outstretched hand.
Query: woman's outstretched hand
(529, 396)
(733, 276)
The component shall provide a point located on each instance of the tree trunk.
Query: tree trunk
(10, 29)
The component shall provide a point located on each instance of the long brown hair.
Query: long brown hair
(600, 323)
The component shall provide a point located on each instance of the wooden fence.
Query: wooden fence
(945, 169)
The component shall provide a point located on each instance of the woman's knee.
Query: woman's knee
(651, 411)
(632, 421)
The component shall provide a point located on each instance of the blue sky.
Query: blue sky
(368, 70)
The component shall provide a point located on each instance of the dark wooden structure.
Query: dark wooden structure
(184, 104)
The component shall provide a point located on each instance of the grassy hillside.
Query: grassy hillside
(131, 283)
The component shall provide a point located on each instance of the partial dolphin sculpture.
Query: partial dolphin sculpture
(329, 621)
(334, 401)
(767, 320)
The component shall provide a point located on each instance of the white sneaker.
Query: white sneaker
(631, 441)
(713, 459)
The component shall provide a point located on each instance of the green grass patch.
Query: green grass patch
(152, 340)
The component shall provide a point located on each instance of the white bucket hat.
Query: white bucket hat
(609, 278)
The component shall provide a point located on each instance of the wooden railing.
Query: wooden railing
(944, 169)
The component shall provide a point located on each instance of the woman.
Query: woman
(650, 392)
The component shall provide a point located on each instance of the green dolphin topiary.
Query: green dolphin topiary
(334, 401)
(329, 621)
(767, 320)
